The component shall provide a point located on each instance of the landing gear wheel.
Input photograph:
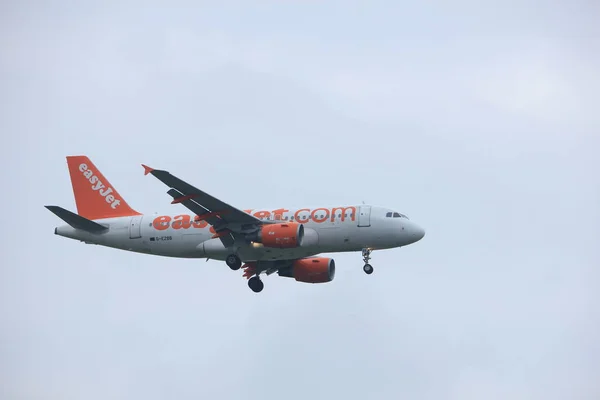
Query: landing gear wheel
(366, 253)
(233, 262)
(256, 284)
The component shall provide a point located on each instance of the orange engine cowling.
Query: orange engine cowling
(285, 235)
(311, 270)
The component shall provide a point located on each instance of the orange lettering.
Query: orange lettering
(181, 221)
(344, 209)
(279, 213)
(296, 216)
(262, 214)
(320, 219)
(318, 215)
(200, 224)
(161, 223)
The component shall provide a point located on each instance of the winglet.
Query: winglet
(147, 169)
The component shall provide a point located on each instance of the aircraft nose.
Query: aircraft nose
(419, 233)
(415, 232)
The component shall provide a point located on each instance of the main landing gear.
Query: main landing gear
(366, 253)
(233, 262)
(256, 284)
(251, 273)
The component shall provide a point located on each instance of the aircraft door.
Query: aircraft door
(364, 215)
(135, 227)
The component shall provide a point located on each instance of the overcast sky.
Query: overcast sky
(479, 120)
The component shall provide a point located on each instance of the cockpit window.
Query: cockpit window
(396, 215)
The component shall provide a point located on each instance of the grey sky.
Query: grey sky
(478, 121)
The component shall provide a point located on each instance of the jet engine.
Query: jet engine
(310, 270)
(284, 236)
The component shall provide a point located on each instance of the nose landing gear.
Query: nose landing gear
(366, 253)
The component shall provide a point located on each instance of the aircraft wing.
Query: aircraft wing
(214, 211)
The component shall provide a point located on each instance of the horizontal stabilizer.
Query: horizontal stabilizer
(77, 221)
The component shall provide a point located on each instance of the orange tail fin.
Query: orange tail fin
(95, 197)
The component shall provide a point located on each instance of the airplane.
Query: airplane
(286, 241)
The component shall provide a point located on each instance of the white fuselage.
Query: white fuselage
(327, 229)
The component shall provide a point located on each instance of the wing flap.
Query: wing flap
(210, 217)
(201, 202)
(214, 211)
